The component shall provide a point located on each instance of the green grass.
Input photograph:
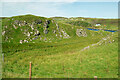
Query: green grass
(60, 58)
(64, 59)
(99, 61)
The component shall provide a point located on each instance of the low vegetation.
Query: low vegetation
(59, 47)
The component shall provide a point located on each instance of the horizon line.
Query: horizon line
(63, 16)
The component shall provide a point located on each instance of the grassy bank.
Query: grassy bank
(64, 59)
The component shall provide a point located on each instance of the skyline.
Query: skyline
(61, 9)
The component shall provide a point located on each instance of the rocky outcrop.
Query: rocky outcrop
(57, 26)
(81, 32)
(15, 27)
(16, 22)
(46, 26)
(65, 35)
(48, 21)
(38, 21)
(20, 23)
(35, 38)
(36, 29)
(45, 31)
(54, 31)
(32, 26)
(37, 33)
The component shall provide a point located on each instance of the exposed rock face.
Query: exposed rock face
(48, 21)
(54, 31)
(85, 48)
(37, 33)
(16, 22)
(81, 32)
(31, 30)
(15, 26)
(65, 35)
(46, 26)
(28, 34)
(25, 41)
(20, 23)
(52, 21)
(57, 26)
(35, 38)
(61, 36)
(32, 27)
(45, 31)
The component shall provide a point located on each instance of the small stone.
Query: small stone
(21, 41)
(3, 33)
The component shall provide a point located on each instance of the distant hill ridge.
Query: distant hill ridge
(30, 28)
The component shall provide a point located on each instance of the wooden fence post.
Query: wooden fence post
(3, 57)
(30, 71)
(95, 77)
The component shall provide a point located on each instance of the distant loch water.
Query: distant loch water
(93, 29)
(110, 30)
(100, 29)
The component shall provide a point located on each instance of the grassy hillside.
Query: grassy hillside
(105, 23)
(58, 47)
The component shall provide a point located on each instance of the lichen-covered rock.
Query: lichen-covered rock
(3, 33)
(56, 35)
(6, 38)
(25, 41)
(61, 36)
(52, 21)
(31, 32)
(21, 41)
(86, 48)
(46, 25)
(48, 21)
(57, 26)
(38, 21)
(25, 23)
(65, 35)
(28, 34)
(54, 31)
(37, 33)
(15, 26)
(35, 38)
(6, 27)
(32, 26)
(81, 32)
(45, 31)
(16, 22)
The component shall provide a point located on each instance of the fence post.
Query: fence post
(3, 57)
(30, 71)
(95, 77)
